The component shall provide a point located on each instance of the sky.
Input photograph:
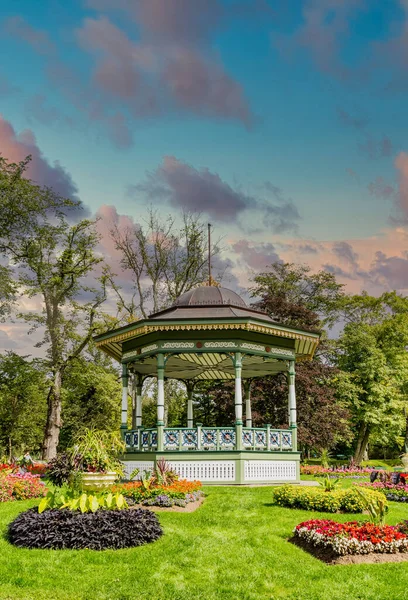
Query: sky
(283, 123)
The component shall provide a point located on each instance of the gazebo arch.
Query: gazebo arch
(209, 333)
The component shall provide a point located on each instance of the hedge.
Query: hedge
(317, 499)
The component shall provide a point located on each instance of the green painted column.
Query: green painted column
(190, 415)
(160, 402)
(139, 387)
(125, 378)
(292, 403)
(238, 400)
(248, 409)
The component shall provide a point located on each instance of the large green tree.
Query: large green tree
(23, 404)
(54, 262)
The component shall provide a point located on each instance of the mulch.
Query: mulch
(330, 558)
(190, 507)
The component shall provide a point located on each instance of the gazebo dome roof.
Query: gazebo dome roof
(207, 295)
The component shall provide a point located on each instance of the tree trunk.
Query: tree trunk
(10, 449)
(362, 442)
(53, 426)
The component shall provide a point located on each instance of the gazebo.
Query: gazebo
(210, 333)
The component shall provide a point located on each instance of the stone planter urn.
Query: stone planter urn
(97, 481)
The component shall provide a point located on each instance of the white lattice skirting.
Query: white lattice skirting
(221, 470)
(270, 470)
(143, 466)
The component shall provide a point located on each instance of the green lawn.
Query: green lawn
(233, 548)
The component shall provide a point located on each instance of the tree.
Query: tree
(91, 395)
(375, 360)
(23, 403)
(52, 259)
(296, 297)
(164, 260)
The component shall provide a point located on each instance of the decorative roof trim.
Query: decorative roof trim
(209, 326)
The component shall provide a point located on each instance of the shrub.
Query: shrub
(17, 486)
(59, 529)
(352, 537)
(316, 499)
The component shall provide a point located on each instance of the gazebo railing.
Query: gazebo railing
(184, 439)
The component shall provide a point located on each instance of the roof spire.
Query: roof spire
(210, 281)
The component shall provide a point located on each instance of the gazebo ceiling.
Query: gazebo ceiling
(208, 366)
(203, 320)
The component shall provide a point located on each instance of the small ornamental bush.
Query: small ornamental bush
(352, 537)
(24, 486)
(317, 499)
(100, 530)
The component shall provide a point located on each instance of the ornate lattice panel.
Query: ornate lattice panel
(260, 439)
(270, 470)
(275, 440)
(220, 470)
(209, 439)
(189, 439)
(286, 439)
(132, 439)
(227, 439)
(171, 439)
(247, 438)
(143, 466)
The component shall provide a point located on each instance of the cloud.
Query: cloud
(349, 120)
(39, 40)
(344, 251)
(380, 188)
(255, 256)
(391, 272)
(325, 24)
(171, 68)
(183, 186)
(16, 147)
(337, 271)
(376, 148)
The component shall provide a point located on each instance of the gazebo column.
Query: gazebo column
(125, 378)
(160, 402)
(248, 410)
(292, 403)
(238, 400)
(139, 385)
(190, 415)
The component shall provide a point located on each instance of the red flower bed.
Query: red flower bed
(352, 537)
(21, 487)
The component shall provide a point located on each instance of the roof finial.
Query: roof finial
(209, 255)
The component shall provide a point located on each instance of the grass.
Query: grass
(234, 547)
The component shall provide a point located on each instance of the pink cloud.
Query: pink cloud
(16, 147)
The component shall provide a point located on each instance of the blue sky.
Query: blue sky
(309, 100)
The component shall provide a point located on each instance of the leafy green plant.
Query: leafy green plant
(69, 499)
(98, 451)
(329, 484)
(377, 507)
(325, 457)
(164, 474)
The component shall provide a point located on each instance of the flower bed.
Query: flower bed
(317, 499)
(352, 537)
(341, 472)
(396, 493)
(17, 486)
(178, 493)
